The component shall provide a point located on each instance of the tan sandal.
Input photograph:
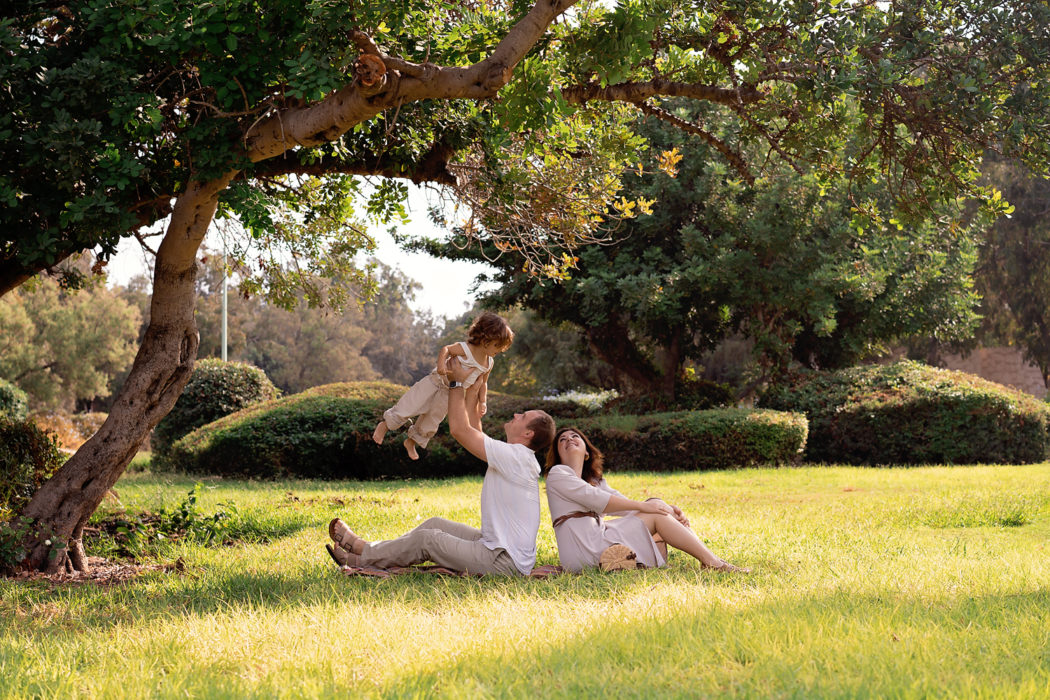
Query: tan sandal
(342, 535)
(341, 556)
(619, 557)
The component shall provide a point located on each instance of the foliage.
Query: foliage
(783, 261)
(28, 458)
(304, 347)
(691, 394)
(216, 389)
(1014, 272)
(140, 98)
(137, 534)
(70, 430)
(13, 401)
(727, 438)
(909, 413)
(59, 345)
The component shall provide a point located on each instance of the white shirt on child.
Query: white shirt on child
(475, 367)
(510, 502)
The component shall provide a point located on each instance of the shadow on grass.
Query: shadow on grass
(212, 589)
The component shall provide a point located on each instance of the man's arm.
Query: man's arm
(472, 439)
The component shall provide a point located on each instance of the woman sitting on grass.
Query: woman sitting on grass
(578, 497)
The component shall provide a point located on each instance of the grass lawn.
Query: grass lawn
(867, 583)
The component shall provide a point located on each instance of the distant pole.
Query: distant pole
(224, 298)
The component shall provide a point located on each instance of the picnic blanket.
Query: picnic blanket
(375, 572)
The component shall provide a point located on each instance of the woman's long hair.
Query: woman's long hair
(592, 464)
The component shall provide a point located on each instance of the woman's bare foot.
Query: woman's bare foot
(410, 447)
(380, 432)
(727, 567)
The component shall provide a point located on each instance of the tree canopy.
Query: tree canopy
(111, 109)
(780, 261)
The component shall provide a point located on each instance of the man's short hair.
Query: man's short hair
(542, 427)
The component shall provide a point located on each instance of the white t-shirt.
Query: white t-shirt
(510, 502)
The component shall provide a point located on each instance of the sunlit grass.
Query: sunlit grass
(867, 583)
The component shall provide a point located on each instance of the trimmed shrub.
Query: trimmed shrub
(215, 389)
(324, 433)
(13, 401)
(726, 438)
(28, 458)
(910, 413)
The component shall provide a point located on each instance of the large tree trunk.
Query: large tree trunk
(61, 508)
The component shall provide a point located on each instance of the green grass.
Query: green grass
(925, 582)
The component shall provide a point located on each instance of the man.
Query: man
(510, 502)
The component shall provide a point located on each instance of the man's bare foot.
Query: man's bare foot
(410, 447)
(380, 432)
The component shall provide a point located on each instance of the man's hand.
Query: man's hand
(456, 371)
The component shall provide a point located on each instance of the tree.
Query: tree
(403, 346)
(781, 261)
(1014, 272)
(115, 115)
(61, 345)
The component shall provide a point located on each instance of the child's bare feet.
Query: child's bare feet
(410, 446)
(380, 432)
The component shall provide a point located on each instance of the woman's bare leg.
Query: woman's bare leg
(680, 537)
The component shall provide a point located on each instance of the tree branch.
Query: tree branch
(734, 158)
(433, 167)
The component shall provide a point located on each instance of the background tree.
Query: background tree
(403, 344)
(1013, 276)
(60, 345)
(191, 109)
(781, 261)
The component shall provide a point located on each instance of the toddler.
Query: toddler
(488, 336)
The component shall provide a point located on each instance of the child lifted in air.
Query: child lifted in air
(488, 336)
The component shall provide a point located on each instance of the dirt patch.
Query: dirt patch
(101, 572)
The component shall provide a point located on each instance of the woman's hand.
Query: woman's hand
(656, 507)
(675, 511)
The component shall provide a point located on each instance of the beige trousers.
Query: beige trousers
(445, 543)
(428, 399)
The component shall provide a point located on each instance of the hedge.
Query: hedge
(326, 433)
(726, 438)
(215, 389)
(13, 401)
(910, 413)
(28, 457)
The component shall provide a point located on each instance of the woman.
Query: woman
(578, 497)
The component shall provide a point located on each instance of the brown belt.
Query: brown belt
(578, 514)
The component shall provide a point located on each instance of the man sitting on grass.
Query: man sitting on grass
(510, 503)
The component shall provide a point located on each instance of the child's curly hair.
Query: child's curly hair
(490, 328)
